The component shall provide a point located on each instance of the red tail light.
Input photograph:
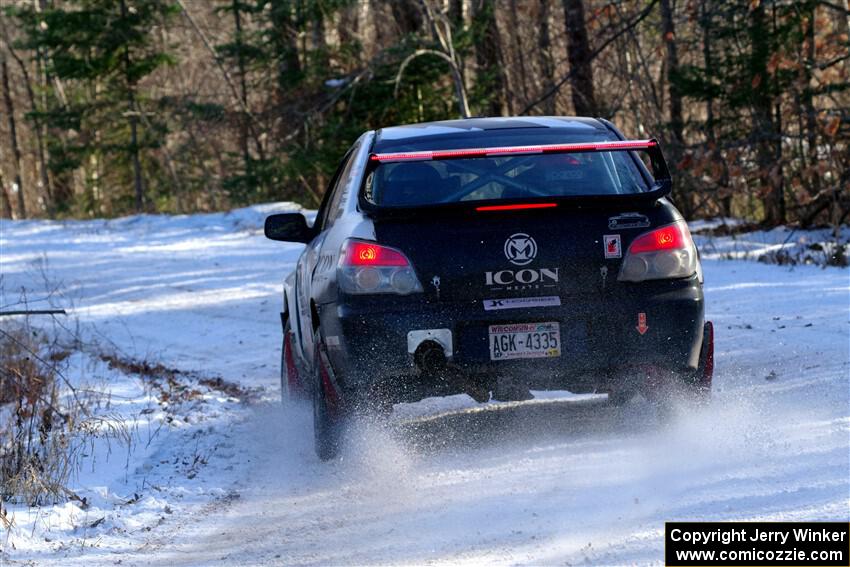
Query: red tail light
(368, 267)
(664, 238)
(664, 253)
(368, 254)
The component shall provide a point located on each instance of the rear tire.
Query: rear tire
(327, 417)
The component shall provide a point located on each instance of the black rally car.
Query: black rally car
(492, 256)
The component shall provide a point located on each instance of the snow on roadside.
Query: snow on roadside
(200, 294)
(197, 294)
(719, 239)
(144, 460)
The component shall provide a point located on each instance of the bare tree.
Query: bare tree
(580, 58)
(764, 132)
(13, 135)
(625, 27)
(243, 91)
(441, 28)
(5, 204)
(668, 31)
(488, 57)
(38, 128)
(725, 196)
(133, 117)
(547, 63)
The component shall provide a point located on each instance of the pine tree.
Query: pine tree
(102, 49)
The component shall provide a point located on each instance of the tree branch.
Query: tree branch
(835, 7)
(595, 53)
(463, 106)
(227, 78)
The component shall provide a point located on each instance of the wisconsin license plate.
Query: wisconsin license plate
(525, 340)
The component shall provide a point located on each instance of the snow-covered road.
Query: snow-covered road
(560, 480)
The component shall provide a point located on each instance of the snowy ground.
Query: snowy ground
(781, 245)
(227, 477)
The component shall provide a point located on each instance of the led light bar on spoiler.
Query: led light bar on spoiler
(516, 150)
(651, 147)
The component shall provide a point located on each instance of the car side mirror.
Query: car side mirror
(288, 227)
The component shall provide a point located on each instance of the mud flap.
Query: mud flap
(705, 369)
(327, 411)
(663, 387)
(326, 383)
(293, 376)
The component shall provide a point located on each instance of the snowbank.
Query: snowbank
(719, 239)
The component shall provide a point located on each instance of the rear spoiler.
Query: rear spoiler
(661, 174)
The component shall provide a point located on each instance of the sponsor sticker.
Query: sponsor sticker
(613, 248)
(642, 327)
(520, 249)
(518, 280)
(628, 220)
(521, 302)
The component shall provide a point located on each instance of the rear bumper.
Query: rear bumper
(367, 338)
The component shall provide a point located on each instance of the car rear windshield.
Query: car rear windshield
(422, 183)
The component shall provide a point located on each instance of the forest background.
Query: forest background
(118, 106)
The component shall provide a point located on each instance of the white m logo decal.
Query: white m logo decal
(520, 249)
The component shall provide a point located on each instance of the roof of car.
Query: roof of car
(479, 124)
(476, 127)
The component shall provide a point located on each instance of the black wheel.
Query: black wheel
(327, 414)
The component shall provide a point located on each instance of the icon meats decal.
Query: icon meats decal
(521, 249)
(522, 279)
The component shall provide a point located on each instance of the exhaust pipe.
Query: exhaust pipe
(430, 357)
(431, 350)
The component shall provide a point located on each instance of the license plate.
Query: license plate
(525, 340)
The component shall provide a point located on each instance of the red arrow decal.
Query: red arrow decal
(642, 327)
